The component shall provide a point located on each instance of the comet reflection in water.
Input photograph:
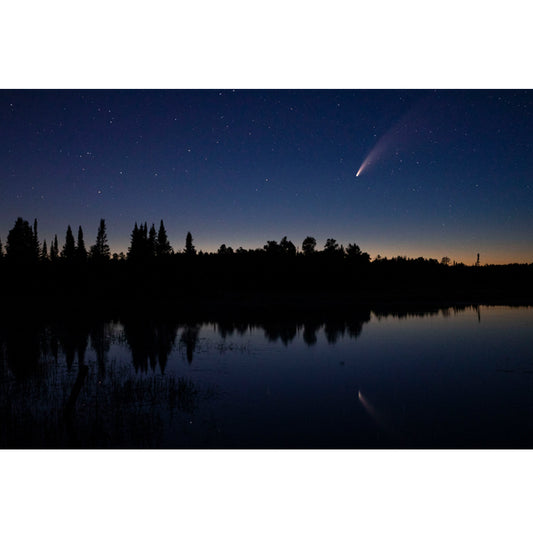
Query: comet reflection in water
(379, 418)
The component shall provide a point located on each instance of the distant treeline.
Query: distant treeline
(23, 246)
(278, 273)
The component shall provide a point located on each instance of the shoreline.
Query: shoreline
(272, 305)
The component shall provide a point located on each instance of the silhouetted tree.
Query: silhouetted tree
(331, 246)
(272, 248)
(354, 252)
(20, 243)
(100, 250)
(163, 246)
(54, 249)
(141, 248)
(44, 252)
(69, 248)
(133, 250)
(287, 247)
(445, 261)
(308, 245)
(189, 247)
(35, 240)
(1, 250)
(225, 250)
(81, 251)
(152, 242)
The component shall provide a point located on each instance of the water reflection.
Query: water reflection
(150, 342)
(380, 418)
(189, 338)
(151, 339)
(374, 379)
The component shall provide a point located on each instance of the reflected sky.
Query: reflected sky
(377, 379)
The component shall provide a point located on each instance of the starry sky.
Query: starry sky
(399, 172)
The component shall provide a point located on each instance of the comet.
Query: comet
(389, 142)
(399, 137)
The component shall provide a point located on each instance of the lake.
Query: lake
(454, 377)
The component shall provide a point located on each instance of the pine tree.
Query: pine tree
(54, 249)
(44, 252)
(69, 248)
(35, 240)
(152, 235)
(20, 243)
(81, 251)
(189, 247)
(144, 234)
(163, 246)
(100, 250)
(137, 249)
(134, 242)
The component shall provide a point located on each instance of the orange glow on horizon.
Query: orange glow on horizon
(494, 257)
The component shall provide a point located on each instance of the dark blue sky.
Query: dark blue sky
(447, 173)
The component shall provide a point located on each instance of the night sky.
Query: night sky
(399, 172)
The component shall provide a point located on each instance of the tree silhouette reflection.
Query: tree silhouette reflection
(189, 338)
(72, 336)
(100, 343)
(309, 334)
(151, 339)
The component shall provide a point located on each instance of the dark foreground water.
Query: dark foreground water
(449, 378)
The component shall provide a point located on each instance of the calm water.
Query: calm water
(450, 378)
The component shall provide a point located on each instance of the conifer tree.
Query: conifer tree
(20, 243)
(134, 242)
(69, 248)
(137, 249)
(100, 250)
(44, 252)
(54, 249)
(163, 246)
(81, 251)
(152, 235)
(144, 233)
(189, 247)
(35, 240)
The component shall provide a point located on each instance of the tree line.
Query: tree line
(303, 277)
(23, 246)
